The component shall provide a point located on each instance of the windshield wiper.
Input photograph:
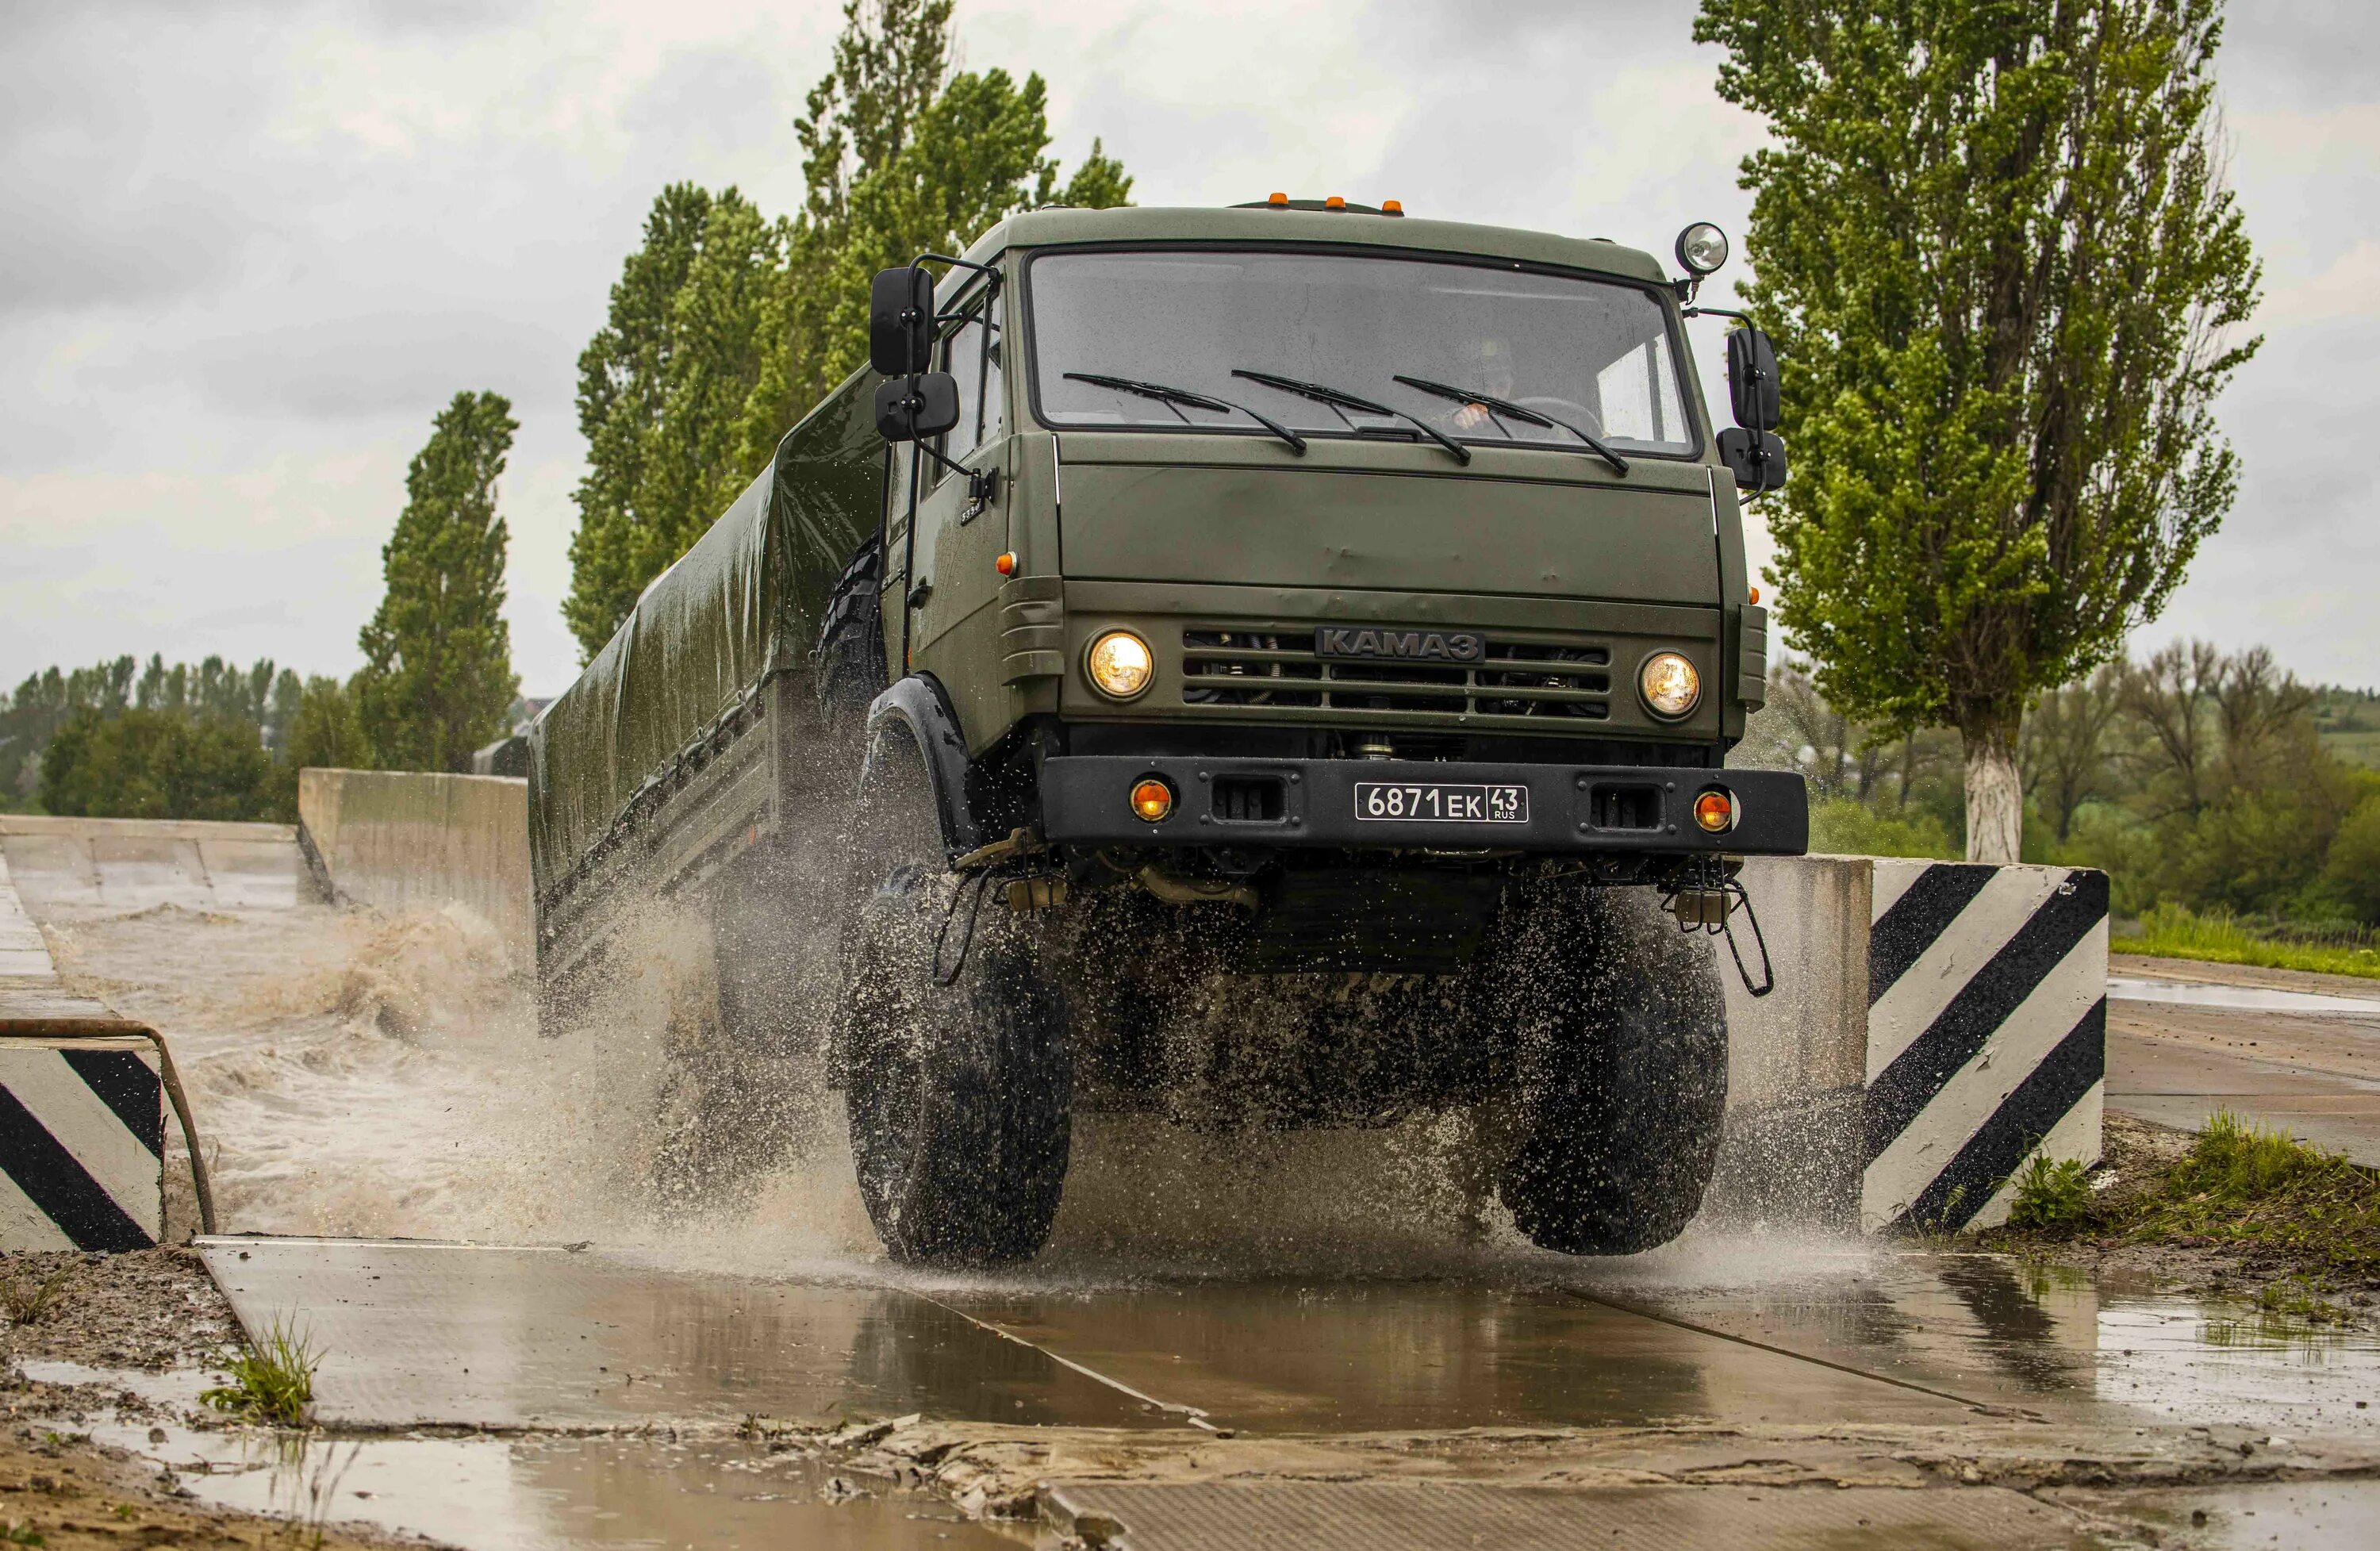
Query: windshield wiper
(1175, 396)
(1508, 410)
(1342, 401)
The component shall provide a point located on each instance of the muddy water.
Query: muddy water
(2246, 999)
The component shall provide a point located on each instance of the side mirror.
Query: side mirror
(903, 416)
(1757, 458)
(1751, 380)
(901, 320)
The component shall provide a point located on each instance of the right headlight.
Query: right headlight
(1669, 685)
(1119, 665)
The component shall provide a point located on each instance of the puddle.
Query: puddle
(549, 1493)
(2330, 1515)
(2246, 998)
(2236, 1365)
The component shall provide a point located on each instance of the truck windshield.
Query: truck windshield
(1595, 353)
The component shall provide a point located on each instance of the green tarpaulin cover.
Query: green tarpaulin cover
(742, 604)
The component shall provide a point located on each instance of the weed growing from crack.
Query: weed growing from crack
(27, 1296)
(272, 1381)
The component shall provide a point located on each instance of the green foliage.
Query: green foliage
(157, 763)
(438, 655)
(2003, 269)
(2052, 1195)
(258, 694)
(2174, 931)
(725, 327)
(327, 732)
(1847, 826)
(2352, 869)
(272, 1382)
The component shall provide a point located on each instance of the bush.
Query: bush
(153, 764)
(2352, 870)
(1847, 826)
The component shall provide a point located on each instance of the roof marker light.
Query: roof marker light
(1336, 201)
(1392, 207)
(1278, 201)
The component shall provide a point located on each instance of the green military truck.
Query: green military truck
(1260, 666)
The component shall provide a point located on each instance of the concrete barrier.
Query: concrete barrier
(82, 1116)
(399, 839)
(1933, 1024)
(116, 865)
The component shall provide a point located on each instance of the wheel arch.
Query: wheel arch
(918, 705)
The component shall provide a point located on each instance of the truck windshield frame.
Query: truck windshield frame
(1500, 327)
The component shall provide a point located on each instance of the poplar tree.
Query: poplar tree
(2007, 278)
(725, 328)
(438, 675)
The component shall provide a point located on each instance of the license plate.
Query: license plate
(1438, 802)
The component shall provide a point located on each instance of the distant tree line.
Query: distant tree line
(216, 741)
(727, 325)
(2197, 778)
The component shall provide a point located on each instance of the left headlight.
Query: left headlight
(1669, 685)
(1119, 665)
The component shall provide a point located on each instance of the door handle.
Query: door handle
(918, 594)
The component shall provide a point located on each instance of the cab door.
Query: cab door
(959, 533)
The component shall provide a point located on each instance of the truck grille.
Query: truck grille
(1279, 669)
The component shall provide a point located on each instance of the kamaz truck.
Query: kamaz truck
(1251, 667)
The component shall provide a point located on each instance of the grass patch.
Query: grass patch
(2307, 1218)
(2241, 1184)
(271, 1382)
(2052, 1196)
(2171, 931)
(29, 1296)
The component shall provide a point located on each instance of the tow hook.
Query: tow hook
(1195, 891)
(1703, 896)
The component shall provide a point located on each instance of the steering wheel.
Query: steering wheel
(1577, 414)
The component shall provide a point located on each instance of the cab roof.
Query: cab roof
(1060, 225)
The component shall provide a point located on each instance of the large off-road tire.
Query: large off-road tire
(959, 1095)
(1621, 1071)
(847, 668)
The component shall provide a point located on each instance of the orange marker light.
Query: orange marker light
(1277, 199)
(1755, 595)
(1336, 201)
(1005, 564)
(1714, 811)
(1392, 207)
(1151, 798)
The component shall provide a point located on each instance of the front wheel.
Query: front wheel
(1622, 1068)
(959, 1093)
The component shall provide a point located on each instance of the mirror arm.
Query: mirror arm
(1718, 313)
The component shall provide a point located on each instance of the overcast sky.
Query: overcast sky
(249, 250)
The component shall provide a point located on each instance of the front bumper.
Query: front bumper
(1568, 808)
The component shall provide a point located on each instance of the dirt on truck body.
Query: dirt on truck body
(1264, 666)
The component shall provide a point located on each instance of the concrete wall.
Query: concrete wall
(118, 865)
(1933, 1024)
(398, 839)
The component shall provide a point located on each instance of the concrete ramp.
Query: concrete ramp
(116, 866)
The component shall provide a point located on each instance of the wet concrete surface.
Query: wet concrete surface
(2296, 1053)
(420, 1334)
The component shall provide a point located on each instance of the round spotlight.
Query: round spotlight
(1714, 811)
(1152, 799)
(1702, 247)
(1119, 665)
(1669, 685)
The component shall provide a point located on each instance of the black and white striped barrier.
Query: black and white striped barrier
(82, 1145)
(83, 1113)
(1986, 1034)
(1934, 1024)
